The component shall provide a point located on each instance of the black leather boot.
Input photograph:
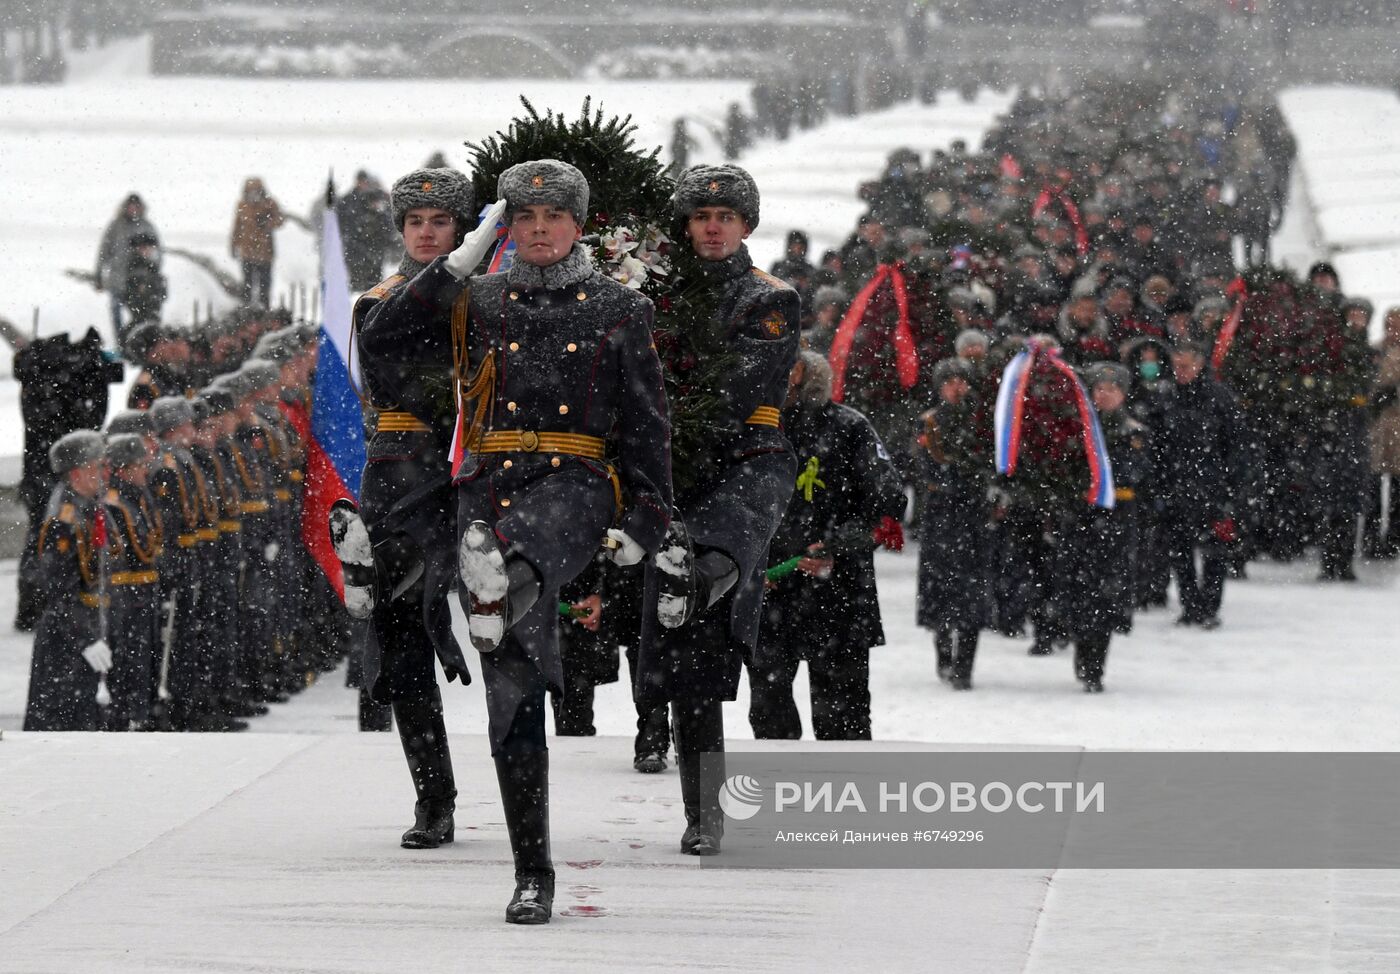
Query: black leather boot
(524, 780)
(424, 736)
(698, 728)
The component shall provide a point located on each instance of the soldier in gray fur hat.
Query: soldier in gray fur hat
(133, 583)
(62, 693)
(726, 186)
(704, 589)
(535, 498)
(396, 569)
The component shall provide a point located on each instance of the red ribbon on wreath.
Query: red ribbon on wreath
(1059, 195)
(906, 354)
(1226, 336)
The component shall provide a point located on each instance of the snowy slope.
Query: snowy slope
(1349, 157)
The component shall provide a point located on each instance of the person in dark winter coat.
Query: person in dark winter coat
(114, 254)
(367, 229)
(71, 654)
(1149, 366)
(1097, 545)
(144, 291)
(826, 612)
(954, 537)
(704, 590)
(398, 571)
(1197, 454)
(63, 387)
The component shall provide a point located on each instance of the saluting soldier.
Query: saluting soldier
(69, 654)
(704, 589)
(398, 564)
(133, 582)
(563, 377)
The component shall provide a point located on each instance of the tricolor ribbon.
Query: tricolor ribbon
(906, 354)
(1010, 416)
(503, 254)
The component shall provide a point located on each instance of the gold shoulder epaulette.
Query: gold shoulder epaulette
(767, 278)
(382, 289)
(67, 513)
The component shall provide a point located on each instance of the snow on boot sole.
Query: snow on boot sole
(675, 577)
(353, 549)
(482, 568)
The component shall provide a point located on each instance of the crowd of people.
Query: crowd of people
(1046, 343)
(1236, 406)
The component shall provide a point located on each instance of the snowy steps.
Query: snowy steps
(280, 852)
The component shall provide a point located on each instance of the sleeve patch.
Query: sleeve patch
(775, 324)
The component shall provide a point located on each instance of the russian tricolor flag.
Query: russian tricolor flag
(335, 441)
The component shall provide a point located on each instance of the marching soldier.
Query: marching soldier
(70, 655)
(397, 564)
(561, 358)
(704, 589)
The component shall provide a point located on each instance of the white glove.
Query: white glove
(271, 551)
(462, 261)
(627, 552)
(99, 656)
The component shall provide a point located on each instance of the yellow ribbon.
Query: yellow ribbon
(808, 480)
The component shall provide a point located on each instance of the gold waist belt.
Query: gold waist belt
(528, 441)
(228, 527)
(253, 507)
(207, 534)
(282, 494)
(764, 416)
(1125, 494)
(187, 540)
(390, 422)
(135, 578)
(91, 601)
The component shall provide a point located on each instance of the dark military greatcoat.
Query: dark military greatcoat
(736, 509)
(574, 438)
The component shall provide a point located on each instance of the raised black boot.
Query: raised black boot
(524, 780)
(424, 736)
(500, 587)
(689, 581)
(351, 543)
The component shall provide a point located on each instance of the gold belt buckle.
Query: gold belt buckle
(529, 441)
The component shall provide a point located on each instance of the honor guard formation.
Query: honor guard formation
(1040, 356)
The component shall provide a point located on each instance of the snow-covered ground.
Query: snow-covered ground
(276, 851)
